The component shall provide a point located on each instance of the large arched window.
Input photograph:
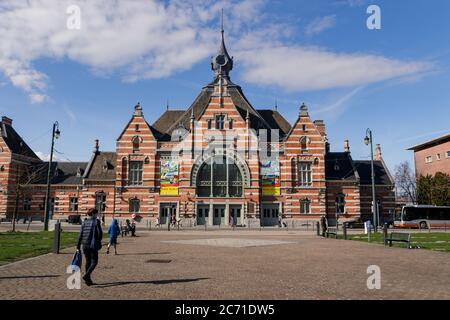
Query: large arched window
(219, 177)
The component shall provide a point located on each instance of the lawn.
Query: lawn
(438, 241)
(20, 245)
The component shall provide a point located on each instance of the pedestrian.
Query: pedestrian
(280, 220)
(323, 223)
(91, 238)
(113, 231)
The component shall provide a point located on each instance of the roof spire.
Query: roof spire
(222, 63)
(167, 105)
(276, 104)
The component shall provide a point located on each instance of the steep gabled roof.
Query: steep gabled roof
(276, 121)
(15, 142)
(382, 176)
(61, 173)
(102, 166)
(339, 166)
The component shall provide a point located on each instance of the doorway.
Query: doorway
(166, 210)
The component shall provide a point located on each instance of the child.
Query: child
(113, 231)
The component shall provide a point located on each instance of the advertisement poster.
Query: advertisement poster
(270, 177)
(169, 177)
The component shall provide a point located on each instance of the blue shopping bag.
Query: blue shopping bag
(76, 261)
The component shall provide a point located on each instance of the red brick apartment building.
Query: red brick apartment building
(432, 156)
(219, 161)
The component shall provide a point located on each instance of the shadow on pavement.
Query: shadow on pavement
(122, 283)
(30, 277)
(141, 253)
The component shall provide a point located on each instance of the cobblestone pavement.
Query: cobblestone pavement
(293, 265)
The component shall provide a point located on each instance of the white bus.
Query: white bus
(424, 216)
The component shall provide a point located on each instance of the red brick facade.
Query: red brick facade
(432, 156)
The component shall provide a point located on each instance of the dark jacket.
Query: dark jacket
(86, 233)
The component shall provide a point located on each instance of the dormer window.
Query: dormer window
(220, 122)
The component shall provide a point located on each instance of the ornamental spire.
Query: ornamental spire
(222, 63)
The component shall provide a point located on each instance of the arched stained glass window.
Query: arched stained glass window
(219, 177)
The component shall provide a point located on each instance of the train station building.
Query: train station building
(218, 162)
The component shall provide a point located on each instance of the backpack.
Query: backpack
(94, 244)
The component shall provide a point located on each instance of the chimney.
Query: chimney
(320, 127)
(378, 152)
(7, 120)
(96, 146)
(346, 146)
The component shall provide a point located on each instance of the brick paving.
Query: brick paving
(292, 265)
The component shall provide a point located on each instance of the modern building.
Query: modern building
(220, 161)
(432, 156)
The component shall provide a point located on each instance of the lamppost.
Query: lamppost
(368, 139)
(55, 135)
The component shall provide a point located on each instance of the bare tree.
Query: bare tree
(405, 182)
(26, 176)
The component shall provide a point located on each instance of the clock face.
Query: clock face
(220, 59)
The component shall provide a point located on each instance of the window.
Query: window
(448, 154)
(27, 204)
(305, 206)
(137, 128)
(219, 177)
(134, 205)
(135, 178)
(230, 124)
(303, 127)
(438, 156)
(304, 174)
(220, 121)
(136, 143)
(209, 124)
(340, 203)
(100, 202)
(304, 143)
(73, 204)
(429, 159)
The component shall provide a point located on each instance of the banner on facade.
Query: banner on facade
(169, 177)
(270, 178)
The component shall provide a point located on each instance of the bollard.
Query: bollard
(57, 237)
(318, 228)
(385, 233)
(369, 230)
(344, 230)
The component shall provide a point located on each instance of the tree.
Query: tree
(26, 175)
(405, 182)
(434, 190)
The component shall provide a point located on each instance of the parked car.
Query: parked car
(357, 223)
(74, 219)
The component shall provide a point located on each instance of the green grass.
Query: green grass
(437, 241)
(20, 245)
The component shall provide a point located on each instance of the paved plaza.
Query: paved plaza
(236, 265)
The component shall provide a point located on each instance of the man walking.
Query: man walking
(91, 238)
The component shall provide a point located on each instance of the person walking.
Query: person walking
(323, 223)
(113, 231)
(91, 239)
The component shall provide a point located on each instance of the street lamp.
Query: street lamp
(368, 139)
(55, 135)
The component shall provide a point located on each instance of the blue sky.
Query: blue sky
(394, 80)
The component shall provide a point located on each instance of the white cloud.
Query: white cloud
(46, 157)
(320, 24)
(139, 39)
(148, 39)
(311, 68)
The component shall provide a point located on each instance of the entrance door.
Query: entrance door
(202, 215)
(219, 215)
(270, 215)
(235, 214)
(166, 211)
